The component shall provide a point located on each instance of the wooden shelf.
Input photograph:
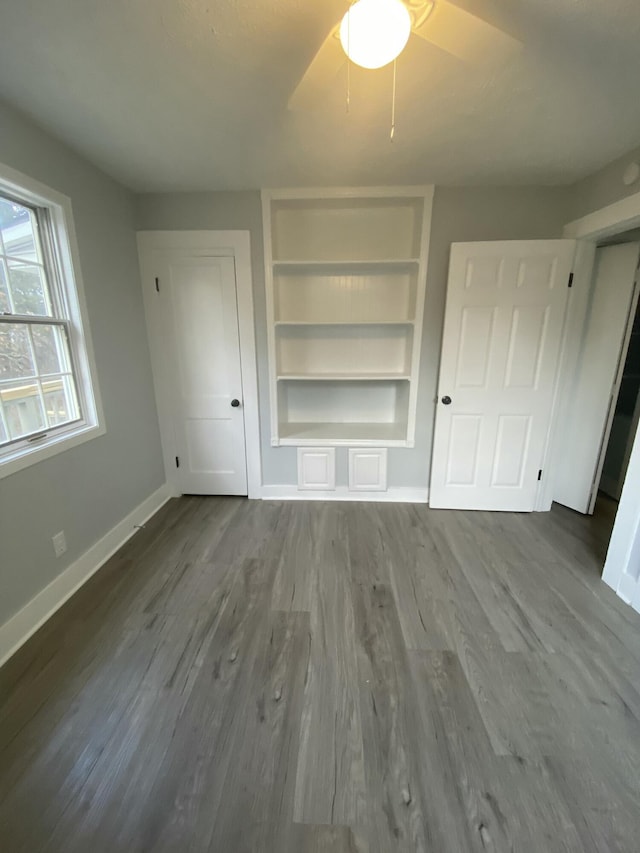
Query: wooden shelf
(385, 263)
(344, 323)
(343, 377)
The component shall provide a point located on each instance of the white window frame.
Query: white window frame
(18, 455)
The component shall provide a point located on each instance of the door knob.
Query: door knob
(446, 401)
(235, 403)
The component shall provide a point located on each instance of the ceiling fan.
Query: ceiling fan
(373, 32)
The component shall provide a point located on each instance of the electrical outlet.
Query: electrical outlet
(59, 543)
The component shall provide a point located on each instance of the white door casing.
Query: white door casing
(502, 334)
(204, 287)
(592, 390)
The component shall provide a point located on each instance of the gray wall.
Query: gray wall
(458, 215)
(603, 187)
(88, 489)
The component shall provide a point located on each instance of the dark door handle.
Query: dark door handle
(446, 401)
(235, 403)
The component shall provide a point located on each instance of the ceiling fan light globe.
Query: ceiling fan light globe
(374, 32)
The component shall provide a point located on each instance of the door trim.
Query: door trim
(236, 245)
(607, 221)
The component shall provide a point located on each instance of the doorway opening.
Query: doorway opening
(625, 409)
(625, 413)
(625, 419)
(606, 410)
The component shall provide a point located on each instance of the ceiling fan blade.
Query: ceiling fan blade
(320, 73)
(466, 36)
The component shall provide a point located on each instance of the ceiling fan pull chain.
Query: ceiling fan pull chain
(393, 103)
(348, 65)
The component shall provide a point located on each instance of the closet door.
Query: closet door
(192, 315)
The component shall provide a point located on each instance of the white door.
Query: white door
(200, 319)
(590, 406)
(502, 333)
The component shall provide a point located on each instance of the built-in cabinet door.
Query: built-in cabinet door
(201, 371)
(501, 343)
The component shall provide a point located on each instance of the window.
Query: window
(47, 397)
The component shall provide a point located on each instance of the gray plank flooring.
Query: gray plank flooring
(247, 677)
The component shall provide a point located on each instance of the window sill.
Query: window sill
(24, 458)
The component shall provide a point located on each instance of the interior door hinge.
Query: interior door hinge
(569, 285)
(178, 462)
(158, 285)
(540, 474)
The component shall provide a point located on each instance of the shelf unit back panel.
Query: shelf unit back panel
(346, 229)
(345, 434)
(343, 350)
(363, 295)
(371, 402)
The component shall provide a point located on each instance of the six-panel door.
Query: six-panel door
(502, 333)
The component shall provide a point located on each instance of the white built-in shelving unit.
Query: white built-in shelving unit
(345, 279)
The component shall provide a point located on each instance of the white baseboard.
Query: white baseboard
(42, 606)
(342, 493)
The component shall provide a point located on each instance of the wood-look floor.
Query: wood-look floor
(247, 677)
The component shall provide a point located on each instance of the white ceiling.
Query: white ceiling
(192, 94)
